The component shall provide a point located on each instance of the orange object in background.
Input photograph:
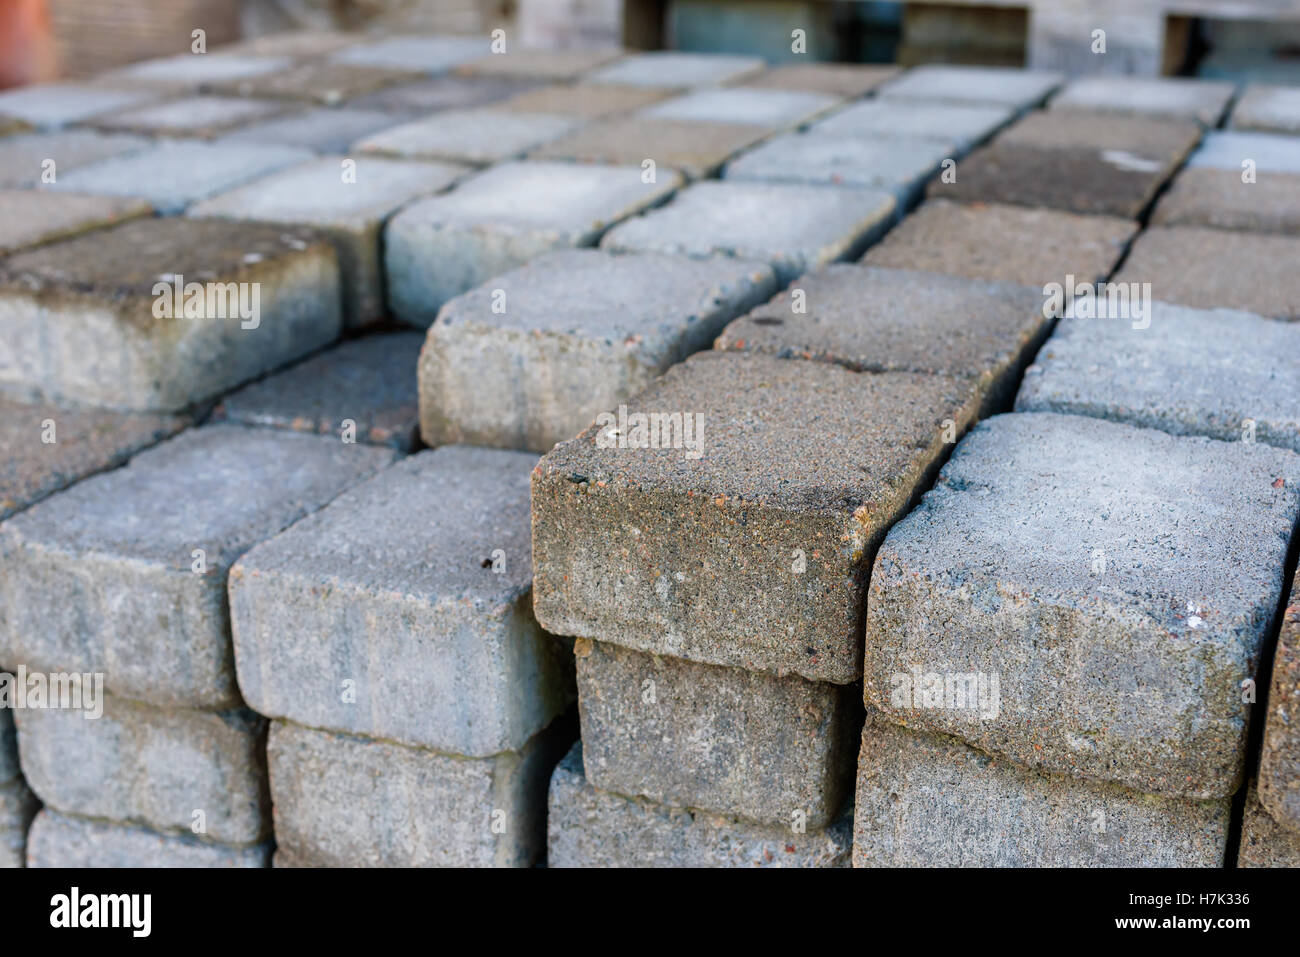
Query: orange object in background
(27, 50)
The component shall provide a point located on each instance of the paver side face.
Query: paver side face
(838, 79)
(1219, 198)
(530, 358)
(676, 69)
(170, 770)
(101, 577)
(590, 100)
(1213, 268)
(26, 160)
(1223, 374)
(413, 625)
(926, 801)
(588, 827)
(1177, 97)
(772, 750)
(1279, 765)
(342, 801)
(1261, 107)
(64, 840)
(972, 84)
(1031, 247)
(752, 550)
(32, 218)
(96, 320)
(900, 320)
(1264, 842)
(1062, 557)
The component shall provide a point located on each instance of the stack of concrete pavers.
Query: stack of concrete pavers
(417, 705)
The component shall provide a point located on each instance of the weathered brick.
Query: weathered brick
(1030, 247)
(1227, 375)
(587, 100)
(427, 54)
(1215, 268)
(84, 325)
(1264, 842)
(671, 68)
(32, 218)
(349, 205)
(1086, 566)
(201, 116)
(899, 320)
(325, 129)
(63, 840)
(587, 827)
(177, 771)
(926, 801)
(478, 136)
(1181, 98)
(848, 80)
(1020, 89)
(886, 120)
(739, 743)
(770, 109)
(100, 578)
(50, 106)
(794, 228)
(24, 159)
(693, 147)
(500, 219)
(749, 544)
(1220, 199)
(343, 801)
(370, 381)
(1279, 764)
(581, 330)
(338, 624)
(1271, 108)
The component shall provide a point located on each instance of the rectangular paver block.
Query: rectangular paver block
(771, 750)
(413, 624)
(344, 801)
(479, 136)
(587, 100)
(1221, 199)
(366, 387)
(80, 442)
(202, 116)
(348, 200)
(1224, 374)
(450, 92)
(98, 320)
(961, 125)
(174, 174)
(1265, 154)
(318, 82)
(426, 54)
(771, 109)
(1216, 268)
(1087, 568)
(531, 357)
(900, 320)
(102, 577)
(1279, 764)
(50, 106)
(178, 771)
(1019, 89)
(501, 218)
(324, 129)
(837, 79)
(29, 158)
(748, 543)
(587, 827)
(64, 840)
(1180, 98)
(1264, 842)
(671, 68)
(197, 70)
(32, 218)
(1030, 247)
(793, 227)
(1264, 107)
(931, 801)
(305, 44)
(546, 64)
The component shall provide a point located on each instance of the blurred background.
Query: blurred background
(1238, 39)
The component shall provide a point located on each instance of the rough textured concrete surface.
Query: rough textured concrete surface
(202, 116)
(32, 218)
(413, 624)
(545, 64)
(898, 165)
(1116, 583)
(63, 840)
(1084, 163)
(793, 227)
(500, 219)
(101, 577)
(899, 320)
(180, 771)
(1220, 199)
(343, 801)
(84, 441)
(325, 129)
(926, 801)
(97, 320)
(1215, 268)
(531, 357)
(1227, 375)
(28, 158)
(426, 54)
(849, 80)
(1269, 153)
(1272, 108)
(972, 84)
(477, 137)
(734, 742)
(1279, 764)
(1180, 98)
(771, 109)
(1264, 842)
(52, 105)
(1030, 247)
(447, 93)
(587, 100)
(348, 200)
(174, 174)
(369, 382)
(318, 82)
(587, 827)
(746, 544)
(697, 148)
(963, 126)
(671, 68)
